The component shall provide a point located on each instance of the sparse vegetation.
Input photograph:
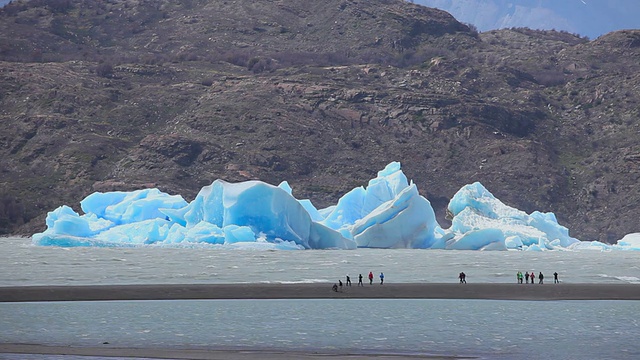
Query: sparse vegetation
(104, 69)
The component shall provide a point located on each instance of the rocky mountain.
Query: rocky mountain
(125, 94)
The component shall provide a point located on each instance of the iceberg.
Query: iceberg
(406, 221)
(387, 213)
(221, 214)
(477, 214)
(629, 242)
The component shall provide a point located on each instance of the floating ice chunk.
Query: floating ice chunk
(388, 213)
(359, 202)
(267, 210)
(407, 221)
(65, 226)
(591, 245)
(629, 242)
(475, 208)
(548, 224)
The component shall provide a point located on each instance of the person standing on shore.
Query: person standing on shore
(370, 277)
(533, 277)
(381, 278)
(526, 276)
(555, 278)
(340, 285)
(463, 278)
(360, 280)
(348, 281)
(540, 278)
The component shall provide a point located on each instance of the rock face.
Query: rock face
(123, 95)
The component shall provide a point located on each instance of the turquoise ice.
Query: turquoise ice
(387, 213)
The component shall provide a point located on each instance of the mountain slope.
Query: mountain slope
(120, 95)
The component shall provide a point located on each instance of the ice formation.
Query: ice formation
(388, 213)
(482, 221)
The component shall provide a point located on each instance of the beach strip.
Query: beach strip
(488, 291)
(208, 354)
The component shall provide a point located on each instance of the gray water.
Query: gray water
(25, 264)
(488, 329)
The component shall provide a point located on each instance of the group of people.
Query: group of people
(520, 277)
(462, 276)
(338, 287)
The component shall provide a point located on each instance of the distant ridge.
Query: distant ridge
(587, 18)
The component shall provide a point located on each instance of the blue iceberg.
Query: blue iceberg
(481, 221)
(221, 214)
(387, 213)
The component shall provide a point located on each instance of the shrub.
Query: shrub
(104, 70)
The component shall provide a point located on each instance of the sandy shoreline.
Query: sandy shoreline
(489, 291)
(207, 354)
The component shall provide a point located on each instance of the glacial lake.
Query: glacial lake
(483, 328)
(26, 264)
(516, 330)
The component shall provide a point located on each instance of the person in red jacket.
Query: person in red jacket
(370, 277)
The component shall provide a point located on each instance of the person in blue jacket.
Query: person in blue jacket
(381, 278)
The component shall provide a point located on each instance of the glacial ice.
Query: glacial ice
(388, 213)
(478, 215)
